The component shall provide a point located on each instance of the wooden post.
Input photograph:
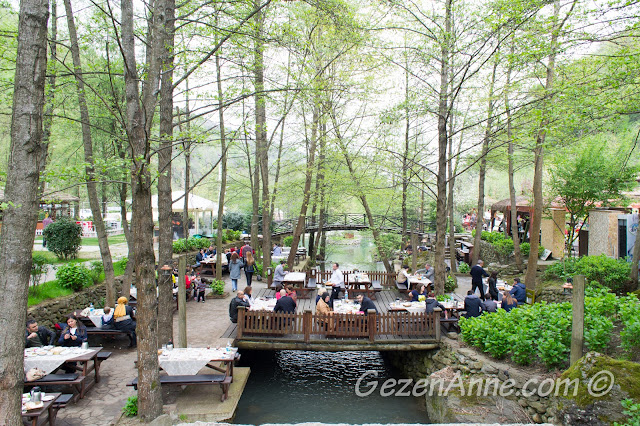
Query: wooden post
(372, 324)
(577, 326)
(436, 322)
(182, 302)
(307, 319)
(414, 251)
(241, 311)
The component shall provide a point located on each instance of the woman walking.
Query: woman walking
(234, 270)
(249, 267)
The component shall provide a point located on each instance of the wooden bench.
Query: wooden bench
(110, 332)
(74, 380)
(200, 379)
(63, 400)
(102, 356)
(450, 323)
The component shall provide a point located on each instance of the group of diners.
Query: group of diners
(73, 332)
(475, 305)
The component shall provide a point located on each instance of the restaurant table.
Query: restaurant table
(263, 304)
(32, 417)
(341, 306)
(44, 359)
(347, 320)
(295, 278)
(208, 265)
(417, 280)
(188, 361)
(360, 283)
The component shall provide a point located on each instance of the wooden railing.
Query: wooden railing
(386, 279)
(375, 327)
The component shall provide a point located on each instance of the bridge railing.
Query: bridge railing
(304, 326)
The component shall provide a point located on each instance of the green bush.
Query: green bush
(450, 284)
(217, 287)
(234, 221)
(612, 273)
(39, 267)
(632, 411)
(286, 241)
(464, 268)
(131, 407)
(73, 276)
(504, 247)
(96, 270)
(120, 266)
(64, 238)
(525, 248)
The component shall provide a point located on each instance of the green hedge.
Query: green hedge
(64, 238)
(74, 276)
(611, 273)
(190, 244)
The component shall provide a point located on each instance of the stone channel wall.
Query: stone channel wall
(469, 365)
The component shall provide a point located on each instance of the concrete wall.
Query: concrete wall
(552, 230)
(603, 232)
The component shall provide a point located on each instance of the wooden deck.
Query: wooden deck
(305, 331)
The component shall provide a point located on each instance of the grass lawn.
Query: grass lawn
(114, 239)
(52, 259)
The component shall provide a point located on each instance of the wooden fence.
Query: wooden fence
(375, 327)
(385, 279)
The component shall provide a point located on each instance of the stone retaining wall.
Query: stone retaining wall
(472, 365)
(553, 295)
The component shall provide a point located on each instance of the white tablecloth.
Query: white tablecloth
(411, 307)
(188, 361)
(297, 277)
(263, 304)
(417, 280)
(342, 307)
(43, 358)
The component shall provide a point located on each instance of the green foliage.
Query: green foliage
(96, 270)
(525, 248)
(120, 266)
(131, 407)
(190, 244)
(450, 284)
(45, 291)
(632, 411)
(612, 273)
(73, 276)
(234, 221)
(388, 244)
(217, 287)
(39, 267)
(286, 241)
(443, 297)
(64, 238)
(463, 268)
(504, 247)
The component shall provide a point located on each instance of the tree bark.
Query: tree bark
(441, 180)
(483, 166)
(20, 217)
(165, 202)
(51, 91)
(405, 154)
(223, 180)
(307, 185)
(87, 142)
(139, 119)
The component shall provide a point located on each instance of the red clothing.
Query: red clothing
(187, 282)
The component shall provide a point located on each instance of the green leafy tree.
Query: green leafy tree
(64, 238)
(589, 174)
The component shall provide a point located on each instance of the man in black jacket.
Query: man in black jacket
(236, 302)
(473, 305)
(37, 336)
(285, 304)
(477, 274)
(365, 303)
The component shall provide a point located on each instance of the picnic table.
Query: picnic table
(359, 283)
(417, 280)
(208, 265)
(33, 417)
(44, 358)
(263, 304)
(298, 280)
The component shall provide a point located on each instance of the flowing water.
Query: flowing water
(299, 386)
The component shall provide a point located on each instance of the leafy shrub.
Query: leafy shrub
(234, 221)
(190, 244)
(217, 287)
(464, 268)
(504, 247)
(120, 265)
(131, 407)
(286, 241)
(179, 246)
(632, 411)
(450, 284)
(64, 238)
(73, 276)
(612, 273)
(96, 270)
(39, 268)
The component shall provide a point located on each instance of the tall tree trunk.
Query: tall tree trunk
(165, 202)
(47, 120)
(307, 185)
(223, 178)
(453, 172)
(483, 165)
(187, 166)
(538, 201)
(87, 142)
(19, 218)
(318, 197)
(261, 135)
(512, 188)
(139, 120)
(441, 180)
(128, 271)
(405, 155)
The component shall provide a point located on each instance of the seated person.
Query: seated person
(403, 276)
(38, 336)
(107, 319)
(490, 305)
(236, 302)
(292, 293)
(74, 333)
(285, 304)
(211, 251)
(519, 291)
(280, 291)
(322, 307)
(508, 302)
(124, 320)
(432, 303)
(200, 257)
(365, 303)
(472, 305)
(414, 295)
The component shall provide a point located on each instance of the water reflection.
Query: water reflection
(356, 253)
(298, 386)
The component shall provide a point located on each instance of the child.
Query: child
(201, 288)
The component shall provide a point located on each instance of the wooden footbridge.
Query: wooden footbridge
(350, 221)
(306, 330)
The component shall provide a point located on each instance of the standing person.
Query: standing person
(249, 267)
(246, 249)
(477, 274)
(337, 283)
(234, 270)
(236, 302)
(493, 286)
(45, 222)
(201, 286)
(279, 274)
(38, 336)
(124, 320)
(277, 251)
